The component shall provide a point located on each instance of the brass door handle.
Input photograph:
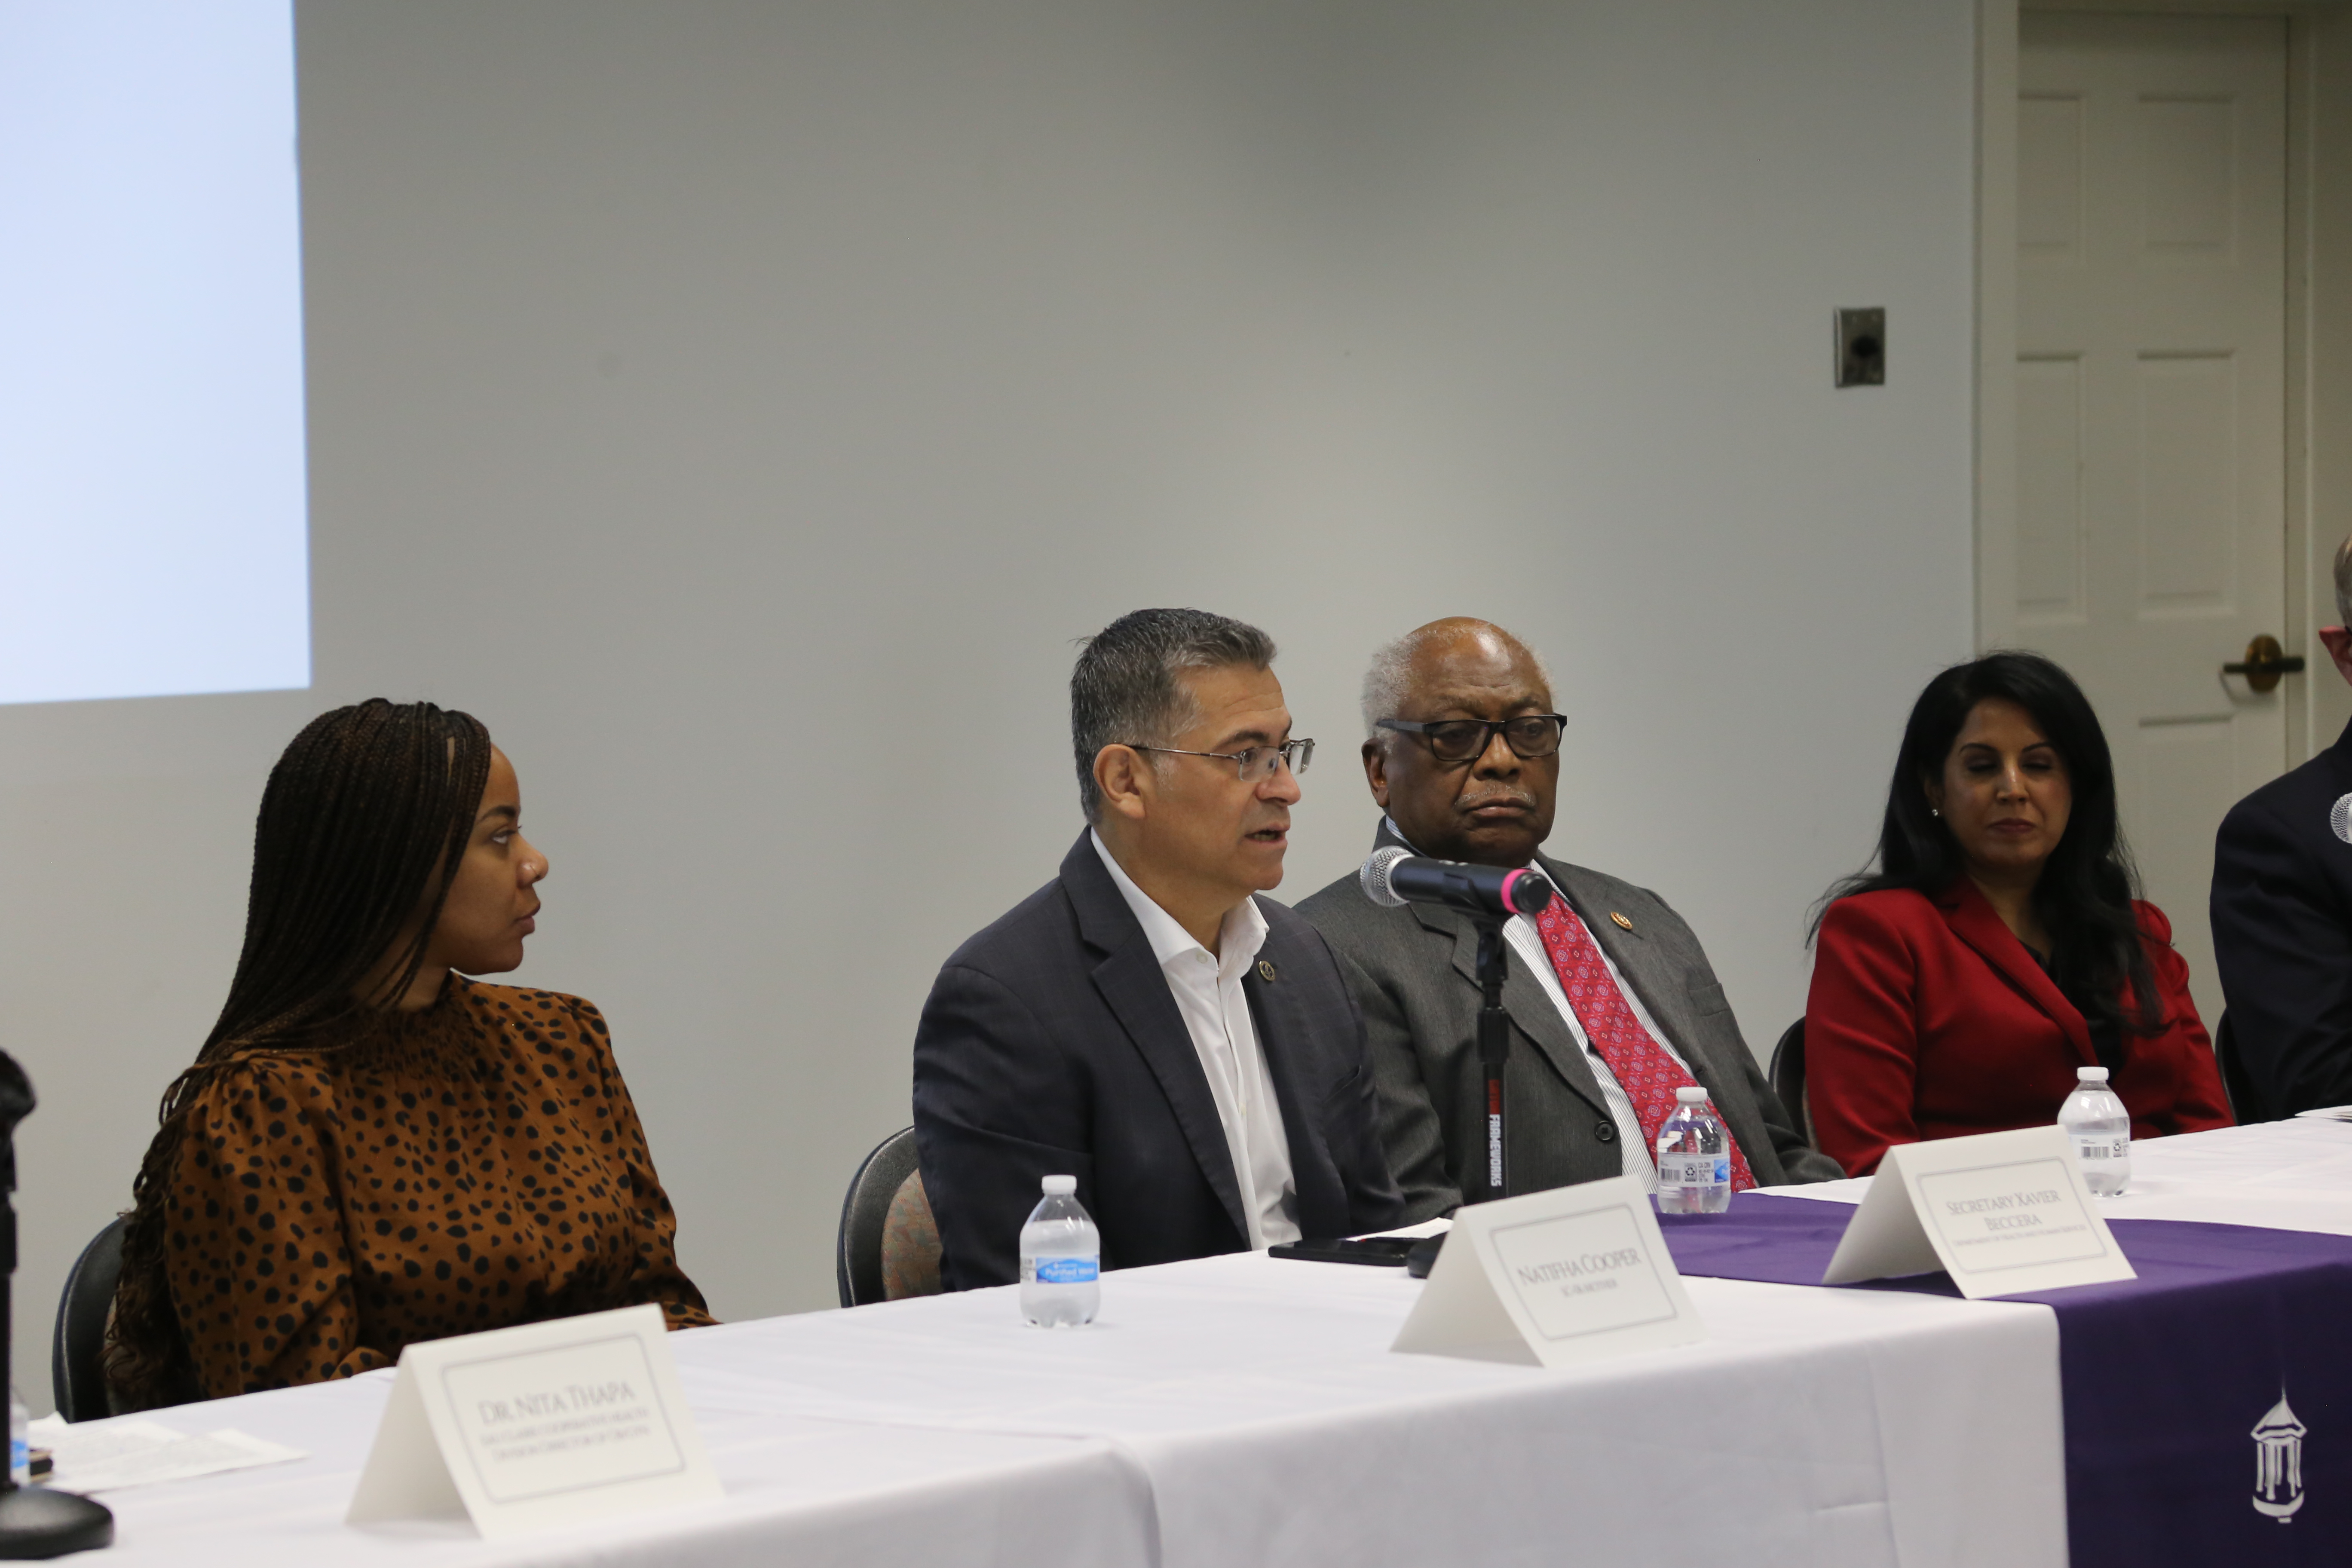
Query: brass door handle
(2265, 661)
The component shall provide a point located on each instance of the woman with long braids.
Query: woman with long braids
(372, 1149)
(1998, 946)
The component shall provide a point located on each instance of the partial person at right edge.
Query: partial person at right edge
(2282, 911)
(1997, 948)
(1611, 995)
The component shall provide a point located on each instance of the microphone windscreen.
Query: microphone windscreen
(1527, 893)
(1375, 875)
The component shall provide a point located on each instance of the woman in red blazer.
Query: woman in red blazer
(1997, 948)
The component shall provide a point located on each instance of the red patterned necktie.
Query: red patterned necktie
(1646, 1071)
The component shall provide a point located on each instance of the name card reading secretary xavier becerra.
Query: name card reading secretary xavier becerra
(1553, 1277)
(525, 1428)
(2001, 1212)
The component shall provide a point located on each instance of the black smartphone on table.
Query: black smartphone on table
(1379, 1251)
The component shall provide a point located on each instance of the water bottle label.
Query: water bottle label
(2102, 1146)
(1059, 1270)
(1693, 1170)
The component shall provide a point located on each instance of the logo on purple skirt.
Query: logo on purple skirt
(2278, 1462)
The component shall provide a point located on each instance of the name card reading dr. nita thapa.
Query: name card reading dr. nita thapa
(2000, 1212)
(527, 1428)
(1551, 1278)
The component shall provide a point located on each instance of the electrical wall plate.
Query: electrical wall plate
(1861, 347)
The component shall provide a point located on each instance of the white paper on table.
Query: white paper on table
(2328, 1113)
(107, 1456)
(2002, 1212)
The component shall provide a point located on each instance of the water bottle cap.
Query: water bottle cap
(2091, 1074)
(1060, 1186)
(1694, 1095)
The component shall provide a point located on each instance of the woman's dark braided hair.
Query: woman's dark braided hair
(363, 824)
(2085, 891)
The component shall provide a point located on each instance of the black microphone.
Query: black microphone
(1395, 877)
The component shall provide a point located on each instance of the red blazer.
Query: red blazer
(1928, 1019)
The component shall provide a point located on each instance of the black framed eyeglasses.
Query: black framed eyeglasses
(1255, 763)
(1529, 735)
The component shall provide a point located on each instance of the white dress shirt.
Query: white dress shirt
(1208, 992)
(1638, 1160)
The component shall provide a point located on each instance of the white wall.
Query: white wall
(742, 407)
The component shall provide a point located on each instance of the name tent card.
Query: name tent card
(1553, 1279)
(2000, 1212)
(548, 1423)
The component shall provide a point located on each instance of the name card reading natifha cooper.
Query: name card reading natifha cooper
(1551, 1278)
(548, 1423)
(2000, 1212)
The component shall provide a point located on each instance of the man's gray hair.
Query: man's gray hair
(1390, 675)
(1127, 688)
(2344, 584)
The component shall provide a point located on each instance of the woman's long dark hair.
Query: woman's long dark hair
(363, 823)
(2085, 895)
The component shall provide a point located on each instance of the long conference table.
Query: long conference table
(1248, 1410)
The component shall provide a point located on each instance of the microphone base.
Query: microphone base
(35, 1522)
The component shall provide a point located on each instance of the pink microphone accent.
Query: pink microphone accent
(1511, 889)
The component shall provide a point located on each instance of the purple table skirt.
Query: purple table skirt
(2165, 1379)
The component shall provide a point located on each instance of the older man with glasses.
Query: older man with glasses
(1145, 1021)
(1613, 1001)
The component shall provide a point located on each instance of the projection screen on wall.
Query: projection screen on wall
(152, 515)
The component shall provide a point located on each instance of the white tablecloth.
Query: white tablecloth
(802, 1491)
(1245, 1410)
(2276, 1175)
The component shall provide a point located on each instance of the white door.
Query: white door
(2151, 435)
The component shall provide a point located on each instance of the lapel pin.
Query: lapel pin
(1620, 920)
(1266, 971)
(2340, 817)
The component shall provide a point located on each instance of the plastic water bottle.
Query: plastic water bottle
(1693, 1158)
(2101, 1128)
(1061, 1259)
(20, 1447)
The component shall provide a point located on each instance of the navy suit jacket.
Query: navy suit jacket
(2282, 935)
(1052, 1045)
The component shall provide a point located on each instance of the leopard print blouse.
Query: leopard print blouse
(472, 1166)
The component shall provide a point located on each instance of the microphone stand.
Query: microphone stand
(1488, 896)
(1494, 1051)
(34, 1520)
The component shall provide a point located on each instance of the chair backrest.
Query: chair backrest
(77, 1347)
(2245, 1102)
(866, 1213)
(910, 1243)
(1788, 1075)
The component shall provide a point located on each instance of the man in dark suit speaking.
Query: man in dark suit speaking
(2282, 913)
(1614, 1001)
(1144, 1022)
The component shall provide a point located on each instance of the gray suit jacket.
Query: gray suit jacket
(1413, 974)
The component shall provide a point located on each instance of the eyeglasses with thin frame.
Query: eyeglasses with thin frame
(1255, 763)
(1529, 735)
